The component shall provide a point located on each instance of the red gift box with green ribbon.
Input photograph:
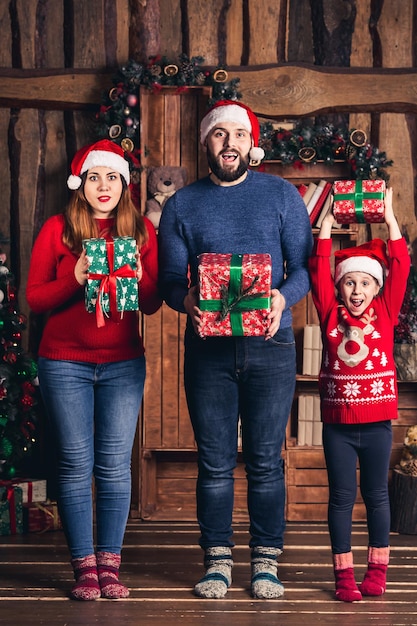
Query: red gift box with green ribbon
(235, 294)
(358, 201)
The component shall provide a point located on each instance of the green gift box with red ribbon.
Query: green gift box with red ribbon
(235, 294)
(358, 201)
(11, 509)
(112, 285)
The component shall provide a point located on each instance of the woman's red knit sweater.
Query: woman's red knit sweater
(71, 332)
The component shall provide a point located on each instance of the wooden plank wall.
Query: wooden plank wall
(351, 60)
(38, 139)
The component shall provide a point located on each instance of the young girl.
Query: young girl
(358, 389)
(92, 378)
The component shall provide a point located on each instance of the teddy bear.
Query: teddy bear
(408, 461)
(162, 182)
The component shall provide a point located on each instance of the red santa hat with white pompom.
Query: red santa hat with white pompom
(370, 257)
(233, 111)
(104, 153)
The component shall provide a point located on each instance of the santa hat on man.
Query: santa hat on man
(370, 258)
(233, 111)
(105, 153)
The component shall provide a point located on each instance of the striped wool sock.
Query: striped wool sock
(218, 577)
(108, 565)
(85, 573)
(265, 582)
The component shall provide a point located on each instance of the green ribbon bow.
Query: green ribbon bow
(234, 300)
(358, 197)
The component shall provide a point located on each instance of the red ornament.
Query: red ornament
(28, 388)
(27, 402)
(10, 357)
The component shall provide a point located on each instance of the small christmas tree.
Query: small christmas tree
(406, 331)
(18, 384)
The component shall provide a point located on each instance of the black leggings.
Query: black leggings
(345, 445)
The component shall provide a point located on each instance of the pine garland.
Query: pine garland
(329, 144)
(119, 119)
(119, 115)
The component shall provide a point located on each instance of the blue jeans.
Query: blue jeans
(345, 445)
(253, 378)
(93, 410)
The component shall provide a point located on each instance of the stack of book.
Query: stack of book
(318, 200)
(312, 348)
(309, 432)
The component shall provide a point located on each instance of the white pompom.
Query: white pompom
(74, 182)
(256, 153)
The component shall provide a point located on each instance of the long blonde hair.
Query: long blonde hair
(80, 223)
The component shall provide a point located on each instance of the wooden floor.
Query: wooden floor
(162, 561)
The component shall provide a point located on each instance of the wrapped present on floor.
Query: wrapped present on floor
(358, 201)
(112, 285)
(11, 510)
(41, 517)
(235, 292)
(33, 489)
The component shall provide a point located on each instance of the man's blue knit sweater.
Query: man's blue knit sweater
(262, 214)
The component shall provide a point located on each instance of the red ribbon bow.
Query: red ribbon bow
(108, 283)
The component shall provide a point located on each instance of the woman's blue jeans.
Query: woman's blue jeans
(93, 410)
(253, 378)
(345, 445)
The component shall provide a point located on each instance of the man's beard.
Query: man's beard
(225, 174)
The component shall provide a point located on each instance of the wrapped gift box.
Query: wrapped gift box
(11, 510)
(358, 201)
(235, 293)
(41, 517)
(33, 490)
(112, 285)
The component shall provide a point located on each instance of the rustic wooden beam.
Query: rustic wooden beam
(301, 90)
(53, 89)
(272, 91)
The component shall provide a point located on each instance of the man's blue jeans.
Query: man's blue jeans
(345, 445)
(226, 377)
(93, 410)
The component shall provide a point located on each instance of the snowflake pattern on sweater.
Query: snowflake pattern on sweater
(357, 380)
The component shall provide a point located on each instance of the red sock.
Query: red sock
(108, 565)
(85, 574)
(346, 587)
(375, 580)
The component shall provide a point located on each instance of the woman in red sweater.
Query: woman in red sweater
(92, 377)
(358, 389)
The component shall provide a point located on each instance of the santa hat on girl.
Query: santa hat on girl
(370, 257)
(232, 111)
(105, 153)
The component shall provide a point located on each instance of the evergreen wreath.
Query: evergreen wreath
(118, 119)
(119, 115)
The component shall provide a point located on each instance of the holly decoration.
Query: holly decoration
(312, 143)
(18, 384)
